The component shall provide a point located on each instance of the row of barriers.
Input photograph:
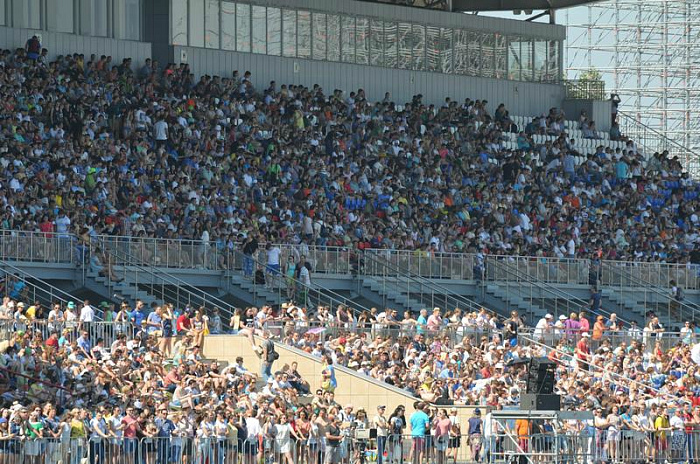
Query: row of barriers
(196, 254)
(280, 329)
(584, 447)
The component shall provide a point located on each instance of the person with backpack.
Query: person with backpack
(397, 424)
(268, 356)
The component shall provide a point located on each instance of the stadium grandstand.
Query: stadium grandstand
(305, 231)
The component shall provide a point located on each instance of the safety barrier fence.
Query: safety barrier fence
(278, 445)
(108, 331)
(197, 254)
(285, 329)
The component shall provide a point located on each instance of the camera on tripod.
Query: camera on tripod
(365, 434)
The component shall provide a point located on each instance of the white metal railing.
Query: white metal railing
(196, 254)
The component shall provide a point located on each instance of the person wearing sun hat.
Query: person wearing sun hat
(71, 316)
(108, 313)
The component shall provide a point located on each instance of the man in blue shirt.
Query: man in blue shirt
(18, 290)
(419, 423)
(154, 321)
(422, 322)
(165, 428)
(84, 343)
(137, 316)
(476, 431)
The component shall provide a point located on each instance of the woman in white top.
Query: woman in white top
(71, 317)
(98, 437)
(314, 440)
(283, 432)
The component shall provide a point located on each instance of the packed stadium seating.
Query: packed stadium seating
(91, 149)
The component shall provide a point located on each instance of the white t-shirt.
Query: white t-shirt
(160, 130)
(676, 423)
(87, 314)
(273, 256)
(304, 276)
(62, 224)
(252, 425)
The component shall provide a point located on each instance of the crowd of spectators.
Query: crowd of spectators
(151, 386)
(89, 146)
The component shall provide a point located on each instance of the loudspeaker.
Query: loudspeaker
(540, 376)
(533, 402)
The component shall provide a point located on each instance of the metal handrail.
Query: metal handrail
(158, 275)
(641, 282)
(41, 286)
(578, 304)
(327, 294)
(192, 244)
(659, 134)
(446, 294)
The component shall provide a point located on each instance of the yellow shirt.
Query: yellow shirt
(77, 429)
(661, 422)
(31, 312)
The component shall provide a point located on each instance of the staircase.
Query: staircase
(151, 284)
(127, 289)
(37, 289)
(515, 277)
(244, 287)
(256, 295)
(628, 286)
(508, 301)
(388, 295)
(398, 285)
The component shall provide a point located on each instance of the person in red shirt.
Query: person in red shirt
(183, 322)
(132, 427)
(584, 324)
(171, 380)
(583, 351)
(52, 342)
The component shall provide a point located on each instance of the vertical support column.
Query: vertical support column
(156, 29)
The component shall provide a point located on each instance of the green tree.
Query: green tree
(591, 75)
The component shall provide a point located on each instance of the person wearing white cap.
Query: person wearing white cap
(583, 352)
(559, 326)
(544, 327)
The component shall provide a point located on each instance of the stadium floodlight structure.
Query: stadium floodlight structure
(649, 52)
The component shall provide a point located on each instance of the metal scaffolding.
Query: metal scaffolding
(649, 52)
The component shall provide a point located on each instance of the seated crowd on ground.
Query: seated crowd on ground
(151, 384)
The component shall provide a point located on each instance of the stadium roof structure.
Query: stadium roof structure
(509, 5)
(488, 5)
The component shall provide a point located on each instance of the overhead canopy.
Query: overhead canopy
(509, 5)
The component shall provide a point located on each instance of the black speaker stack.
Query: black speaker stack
(539, 395)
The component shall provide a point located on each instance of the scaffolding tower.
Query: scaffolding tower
(649, 52)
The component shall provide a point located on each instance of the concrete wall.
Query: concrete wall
(62, 44)
(521, 98)
(353, 388)
(598, 111)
